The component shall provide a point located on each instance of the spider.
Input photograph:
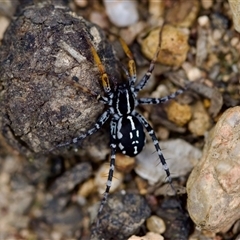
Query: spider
(126, 124)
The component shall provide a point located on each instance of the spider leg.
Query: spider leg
(132, 76)
(150, 131)
(113, 147)
(104, 77)
(148, 74)
(74, 82)
(159, 100)
(101, 120)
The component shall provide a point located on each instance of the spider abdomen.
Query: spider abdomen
(130, 135)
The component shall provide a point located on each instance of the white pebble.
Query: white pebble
(121, 13)
(101, 179)
(193, 73)
(148, 236)
(203, 21)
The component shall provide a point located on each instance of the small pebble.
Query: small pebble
(86, 188)
(183, 13)
(213, 186)
(206, 4)
(163, 133)
(234, 41)
(176, 218)
(212, 93)
(156, 224)
(99, 18)
(200, 122)
(193, 73)
(64, 221)
(201, 50)
(122, 216)
(206, 103)
(141, 185)
(178, 113)
(10, 165)
(96, 154)
(199, 235)
(203, 21)
(156, 8)
(148, 236)
(211, 63)
(129, 34)
(81, 3)
(56, 235)
(4, 178)
(124, 163)
(101, 179)
(67, 181)
(121, 13)
(217, 34)
(174, 45)
(25, 233)
(161, 91)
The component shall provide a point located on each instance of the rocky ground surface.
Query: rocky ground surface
(56, 196)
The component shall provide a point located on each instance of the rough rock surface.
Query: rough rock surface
(122, 216)
(214, 185)
(43, 52)
(174, 45)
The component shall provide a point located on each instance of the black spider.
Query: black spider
(126, 125)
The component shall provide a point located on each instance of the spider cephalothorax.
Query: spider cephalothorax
(126, 124)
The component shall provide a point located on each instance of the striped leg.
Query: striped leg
(150, 131)
(75, 82)
(148, 74)
(104, 77)
(159, 100)
(131, 63)
(131, 73)
(102, 119)
(113, 147)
